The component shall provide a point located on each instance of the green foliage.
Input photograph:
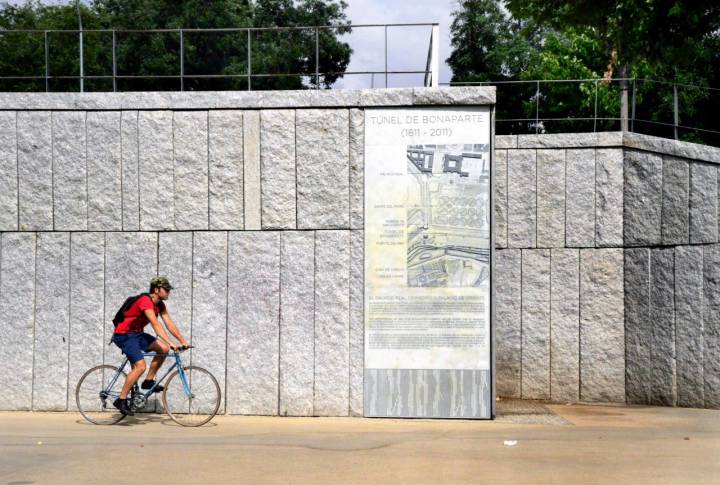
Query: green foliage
(206, 54)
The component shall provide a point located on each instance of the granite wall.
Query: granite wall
(607, 269)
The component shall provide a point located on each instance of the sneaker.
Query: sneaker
(123, 407)
(148, 384)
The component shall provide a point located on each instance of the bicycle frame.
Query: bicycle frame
(177, 364)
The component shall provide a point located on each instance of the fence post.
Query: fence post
(249, 62)
(537, 106)
(82, 60)
(317, 58)
(632, 119)
(182, 62)
(675, 110)
(596, 101)
(114, 62)
(47, 64)
(386, 73)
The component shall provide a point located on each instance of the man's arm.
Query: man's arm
(170, 324)
(159, 329)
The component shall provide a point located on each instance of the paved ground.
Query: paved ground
(555, 444)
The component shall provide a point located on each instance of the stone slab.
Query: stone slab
(500, 182)
(322, 147)
(17, 288)
(609, 197)
(536, 324)
(642, 198)
(226, 170)
(251, 169)
(569, 140)
(52, 322)
(580, 198)
(522, 203)
(638, 327)
(703, 203)
(565, 325)
(505, 141)
(550, 198)
(209, 304)
(175, 256)
(508, 331)
(8, 172)
(692, 151)
(357, 168)
(297, 323)
(689, 325)
(130, 170)
(253, 331)
(104, 171)
(602, 350)
(87, 279)
(711, 325)
(35, 170)
(332, 323)
(70, 182)
(458, 95)
(357, 321)
(675, 201)
(278, 170)
(663, 389)
(155, 152)
(190, 148)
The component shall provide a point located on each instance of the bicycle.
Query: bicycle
(191, 396)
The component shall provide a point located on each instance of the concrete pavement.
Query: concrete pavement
(555, 444)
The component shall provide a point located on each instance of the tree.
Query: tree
(206, 54)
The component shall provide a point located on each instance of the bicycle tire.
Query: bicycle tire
(88, 400)
(186, 410)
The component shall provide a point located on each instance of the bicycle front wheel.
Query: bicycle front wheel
(191, 398)
(95, 393)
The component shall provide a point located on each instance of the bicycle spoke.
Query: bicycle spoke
(95, 398)
(200, 405)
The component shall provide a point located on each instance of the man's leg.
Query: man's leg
(137, 370)
(161, 348)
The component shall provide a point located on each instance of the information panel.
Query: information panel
(427, 258)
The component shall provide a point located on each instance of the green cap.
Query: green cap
(161, 282)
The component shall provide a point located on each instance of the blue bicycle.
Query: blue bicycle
(191, 396)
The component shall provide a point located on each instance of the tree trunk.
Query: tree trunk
(623, 98)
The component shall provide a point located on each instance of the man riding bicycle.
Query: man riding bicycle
(131, 339)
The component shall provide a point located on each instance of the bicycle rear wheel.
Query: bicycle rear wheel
(195, 404)
(95, 397)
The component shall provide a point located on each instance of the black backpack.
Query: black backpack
(120, 315)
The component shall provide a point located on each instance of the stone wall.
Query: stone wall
(607, 269)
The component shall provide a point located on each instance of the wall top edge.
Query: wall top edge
(611, 139)
(364, 98)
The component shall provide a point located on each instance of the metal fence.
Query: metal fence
(430, 70)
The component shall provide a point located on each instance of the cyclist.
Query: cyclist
(129, 336)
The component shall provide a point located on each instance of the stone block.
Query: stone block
(87, 278)
(277, 169)
(505, 141)
(559, 140)
(226, 170)
(8, 172)
(253, 331)
(357, 168)
(580, 198)
(508, 312)
(565, 325)
(52, 322)
(385, 97)
(251, 169)
(536, 324)
(675, 201)
(551, 198)
(35, 172)
(602, 349)
(17, 288)
(689, 325)
(175, 252)
(104, 171)
(457, 95)
(500, 180)
(332, 323)
(663, 389)
(357, 322)
(297, 323)
(703, 203)
(642, 198)
(209, 304)
(190, 142)
(130, 174)
(70, 183)
(711, 325)
(323, 168)
(609, 197)
(522, 192)
(638, 327)
(155, 155)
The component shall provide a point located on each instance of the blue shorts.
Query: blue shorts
(133, 344)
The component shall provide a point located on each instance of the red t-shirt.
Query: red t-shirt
(135, 318)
